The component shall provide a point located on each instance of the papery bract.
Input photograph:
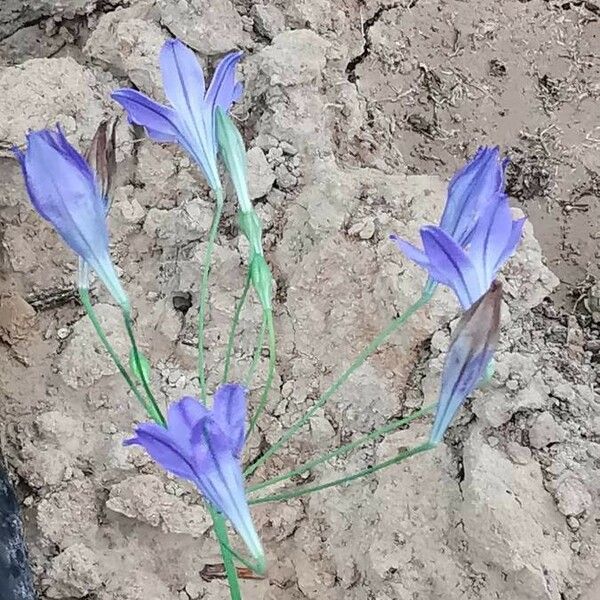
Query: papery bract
(66, 192)
(469, 355)
(190, 120)
(204, 446)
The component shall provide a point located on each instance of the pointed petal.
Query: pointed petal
(224, 90)
(470, 190)
(163, 449)
(183, 78)
(470, 352)
(160, 121)
(513, 241)
(220, 480)
(63, 190)
(182, 417)
(490, 238)
(450, 265)
(462, 373)
(411, 252)
(229, 411)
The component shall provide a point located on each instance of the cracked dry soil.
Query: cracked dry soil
(356, 114)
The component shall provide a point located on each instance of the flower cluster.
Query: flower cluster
(474, 239)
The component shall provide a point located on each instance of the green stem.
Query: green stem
(257, 352)
(152, 407)
(84, 295)
(358, 361)
(214, 226)
(236, 318)
(268, 316)
(258, 567)
(301, 491)
(345, 449)
(226, 553)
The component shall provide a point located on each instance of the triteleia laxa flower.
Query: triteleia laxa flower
(470, 353)
(470, 272)
(190, 120)
(469, 192)
(66, 192)
(204, 446)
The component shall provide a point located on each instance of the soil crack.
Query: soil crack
(357, 60)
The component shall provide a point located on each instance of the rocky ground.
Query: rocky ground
(356, 115)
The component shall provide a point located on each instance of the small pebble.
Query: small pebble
(63, 333)
(520, 455)
(512, 385)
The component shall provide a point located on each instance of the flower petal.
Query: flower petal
(161, 122)
(450, 265)
(182, 417)
(469, 191)
(513, 241)
(164, 450)
(220, 480)
(223, 89)
(183, 79)
(470, 352)
(410, 251)
(229, 411)
(490, 237)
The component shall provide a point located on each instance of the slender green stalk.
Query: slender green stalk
(257, 352)
(345, 449)
(214, 226)
(84, 295)
(258, 567)
(358, 361)
(268, 316)
(152, 406)
(223, 539)
(303, 490)
(236, 318)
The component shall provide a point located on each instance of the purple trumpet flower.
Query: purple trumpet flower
(65, 191)
(191, 120)
(470, 272)
(204, 446)
(470, 191)
(470, 352)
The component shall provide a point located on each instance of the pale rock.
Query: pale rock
(294, 58)
(260, 174)
(143, 498)
(501, 501)
(41, 92)
(545, 431)
(186, 223)
(84, 360)
(129, 45)
(211, 27)
(74, 573)
(572, 496)
(268, 20)
(520, 455)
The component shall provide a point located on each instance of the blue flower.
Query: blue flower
(65, 191)
(191, 120)
(470, 191)
(470, 353)
(204, 446)
(470, 272)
